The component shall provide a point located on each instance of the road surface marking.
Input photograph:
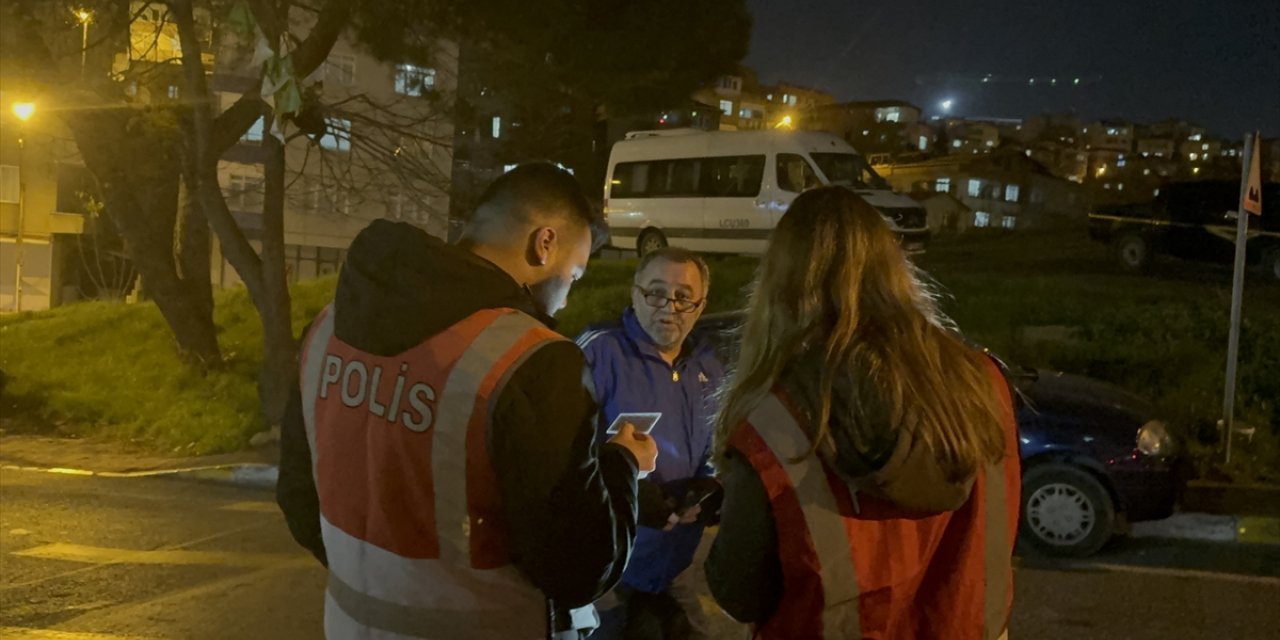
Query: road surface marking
(22, 633)
(254, 506)
(1178, 573)
(108, 555)
(94, 567)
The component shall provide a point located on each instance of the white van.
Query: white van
(724, 191)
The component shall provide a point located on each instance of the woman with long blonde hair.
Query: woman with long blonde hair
(869, 456)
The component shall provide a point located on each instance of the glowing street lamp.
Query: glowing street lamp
(84, 17)
(785, 123)
(23, 112)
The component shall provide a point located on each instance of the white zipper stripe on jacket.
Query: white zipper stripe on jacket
(787, 441)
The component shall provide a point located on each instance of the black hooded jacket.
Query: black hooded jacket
(570, 505)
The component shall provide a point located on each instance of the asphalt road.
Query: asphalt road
(102, 559)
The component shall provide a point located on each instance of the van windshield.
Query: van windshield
(849, 169)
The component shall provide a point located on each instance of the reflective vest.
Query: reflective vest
(410, 509)
(861, 567)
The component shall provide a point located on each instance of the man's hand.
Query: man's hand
(691, 514)
(640, 445)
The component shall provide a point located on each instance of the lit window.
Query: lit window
(254, 134)
(1146, 172)
(924, 143)
(1107, 186)
(942, 185)
(991, 143)
(495, 129)
(1204, 147)
(889, 114)
(1011, 193)
(769, 97)
(1193, 156)
(340, 69)
(981, 219)
(1194, 137)
(726, 106)
(975, 188)
(957, 144)
(1120, 187)
(1155, 192)
(173, 92)
(337, 134)
(1009, 222)
(1121, 162)
(414, 81)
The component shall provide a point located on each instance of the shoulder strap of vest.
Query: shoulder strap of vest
(998, 551)
(311, 365)
(800, 487)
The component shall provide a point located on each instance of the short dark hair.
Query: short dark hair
(523, 195)
(677, 255)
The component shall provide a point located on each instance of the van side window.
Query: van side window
(723, 177)
(630, 180)
(657, 179)
(795, 174)
(733, 176)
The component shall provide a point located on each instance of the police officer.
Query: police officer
(439, 455)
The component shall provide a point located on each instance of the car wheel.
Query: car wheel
(1133, 251)
(651, 240)
(1065, 511)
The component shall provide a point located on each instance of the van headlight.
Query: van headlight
(1154, 440)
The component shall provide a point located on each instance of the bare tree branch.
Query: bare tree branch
(235, 121)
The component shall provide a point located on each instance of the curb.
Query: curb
(1211, 528)
(256, 475)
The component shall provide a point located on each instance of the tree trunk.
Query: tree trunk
(279, 347)
(191, 243)
(139, 191)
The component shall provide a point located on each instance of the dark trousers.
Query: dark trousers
(635, 615)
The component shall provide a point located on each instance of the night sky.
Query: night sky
(1216, 63)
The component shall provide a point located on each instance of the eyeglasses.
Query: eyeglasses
(659, 300)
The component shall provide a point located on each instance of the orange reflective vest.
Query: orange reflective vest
(861, 567)
(411, 514)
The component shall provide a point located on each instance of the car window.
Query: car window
(795, 174)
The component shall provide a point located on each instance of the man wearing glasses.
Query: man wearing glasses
(647, 364)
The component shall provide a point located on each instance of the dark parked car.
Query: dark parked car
(1093, 455)
(1192, 221)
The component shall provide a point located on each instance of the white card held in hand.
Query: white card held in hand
(643, 422)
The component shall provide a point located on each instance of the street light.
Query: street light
(946, 105)
(784, 123)
(23, 111)
(84, 17)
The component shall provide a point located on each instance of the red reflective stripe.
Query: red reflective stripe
(799, 614)
(490, 547)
